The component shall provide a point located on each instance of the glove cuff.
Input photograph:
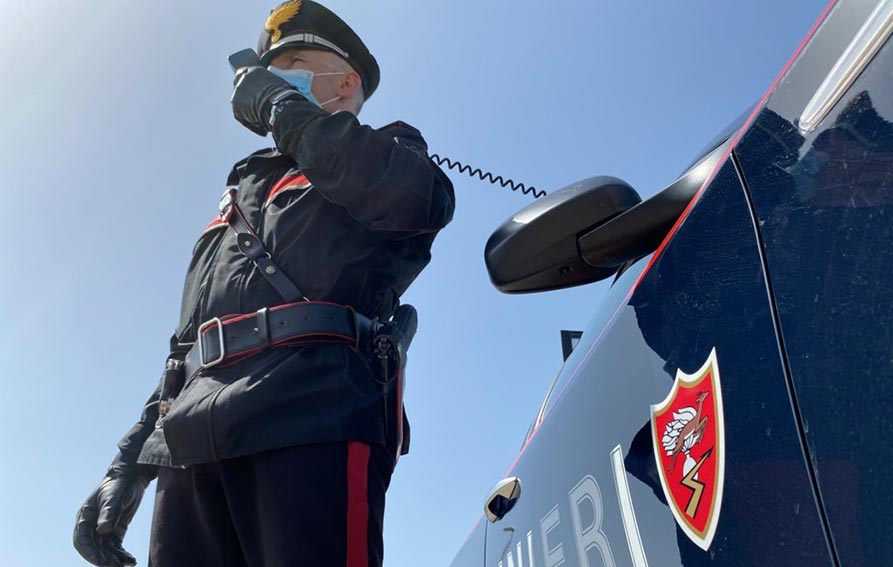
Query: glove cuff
(144, 473)
(279, 102)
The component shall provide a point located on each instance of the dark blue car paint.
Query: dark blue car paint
(824, 203)
(783, 266)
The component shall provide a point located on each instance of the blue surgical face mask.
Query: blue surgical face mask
(302, 79)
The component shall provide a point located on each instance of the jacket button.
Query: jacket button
(270, 270)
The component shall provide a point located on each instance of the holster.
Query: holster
(172, 381)
(153, 450)
(390, 345)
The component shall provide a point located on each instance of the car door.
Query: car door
(592, 492)
(822, 188)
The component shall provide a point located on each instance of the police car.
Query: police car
(729, 404)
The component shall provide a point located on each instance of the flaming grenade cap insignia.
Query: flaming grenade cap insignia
(283, 13)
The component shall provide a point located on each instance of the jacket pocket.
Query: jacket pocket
(187, 425)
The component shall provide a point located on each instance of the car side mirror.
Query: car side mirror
(640, 230)
(536, 249)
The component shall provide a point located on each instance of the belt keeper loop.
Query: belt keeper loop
(263, 327)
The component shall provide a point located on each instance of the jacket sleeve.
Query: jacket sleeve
(130, 445)
(384, 178)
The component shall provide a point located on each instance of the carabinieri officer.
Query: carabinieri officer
(278, 419)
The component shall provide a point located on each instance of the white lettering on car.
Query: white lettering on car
(554, 556)
(627, 512)
(592, 535)
(510, 560)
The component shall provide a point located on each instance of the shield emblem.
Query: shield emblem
(689, 448)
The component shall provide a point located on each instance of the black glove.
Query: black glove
(103, 519)
(256, 91)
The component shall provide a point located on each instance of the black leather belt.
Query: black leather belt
(229, 339)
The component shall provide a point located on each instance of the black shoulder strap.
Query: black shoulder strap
(252, 246)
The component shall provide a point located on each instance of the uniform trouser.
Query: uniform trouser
(309, 505)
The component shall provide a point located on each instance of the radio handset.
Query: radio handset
(244, 58)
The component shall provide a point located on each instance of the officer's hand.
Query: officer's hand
(103, 519)
(256, 89)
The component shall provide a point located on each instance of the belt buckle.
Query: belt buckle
(201, 351)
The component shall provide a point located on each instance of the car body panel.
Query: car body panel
(824, 201)
(471, 554)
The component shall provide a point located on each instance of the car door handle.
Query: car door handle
(502, 498)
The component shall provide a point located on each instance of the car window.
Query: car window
(542, 408)
(602, 317)
(724, 134)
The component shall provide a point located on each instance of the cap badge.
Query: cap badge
(282, 14)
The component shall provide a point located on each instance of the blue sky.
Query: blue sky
(117, 137)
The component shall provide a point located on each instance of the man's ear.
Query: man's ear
(349, 85)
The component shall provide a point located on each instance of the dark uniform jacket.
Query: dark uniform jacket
(349, 213)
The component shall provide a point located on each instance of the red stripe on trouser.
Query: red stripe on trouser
(357, 504)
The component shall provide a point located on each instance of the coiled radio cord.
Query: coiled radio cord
(487, 176)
